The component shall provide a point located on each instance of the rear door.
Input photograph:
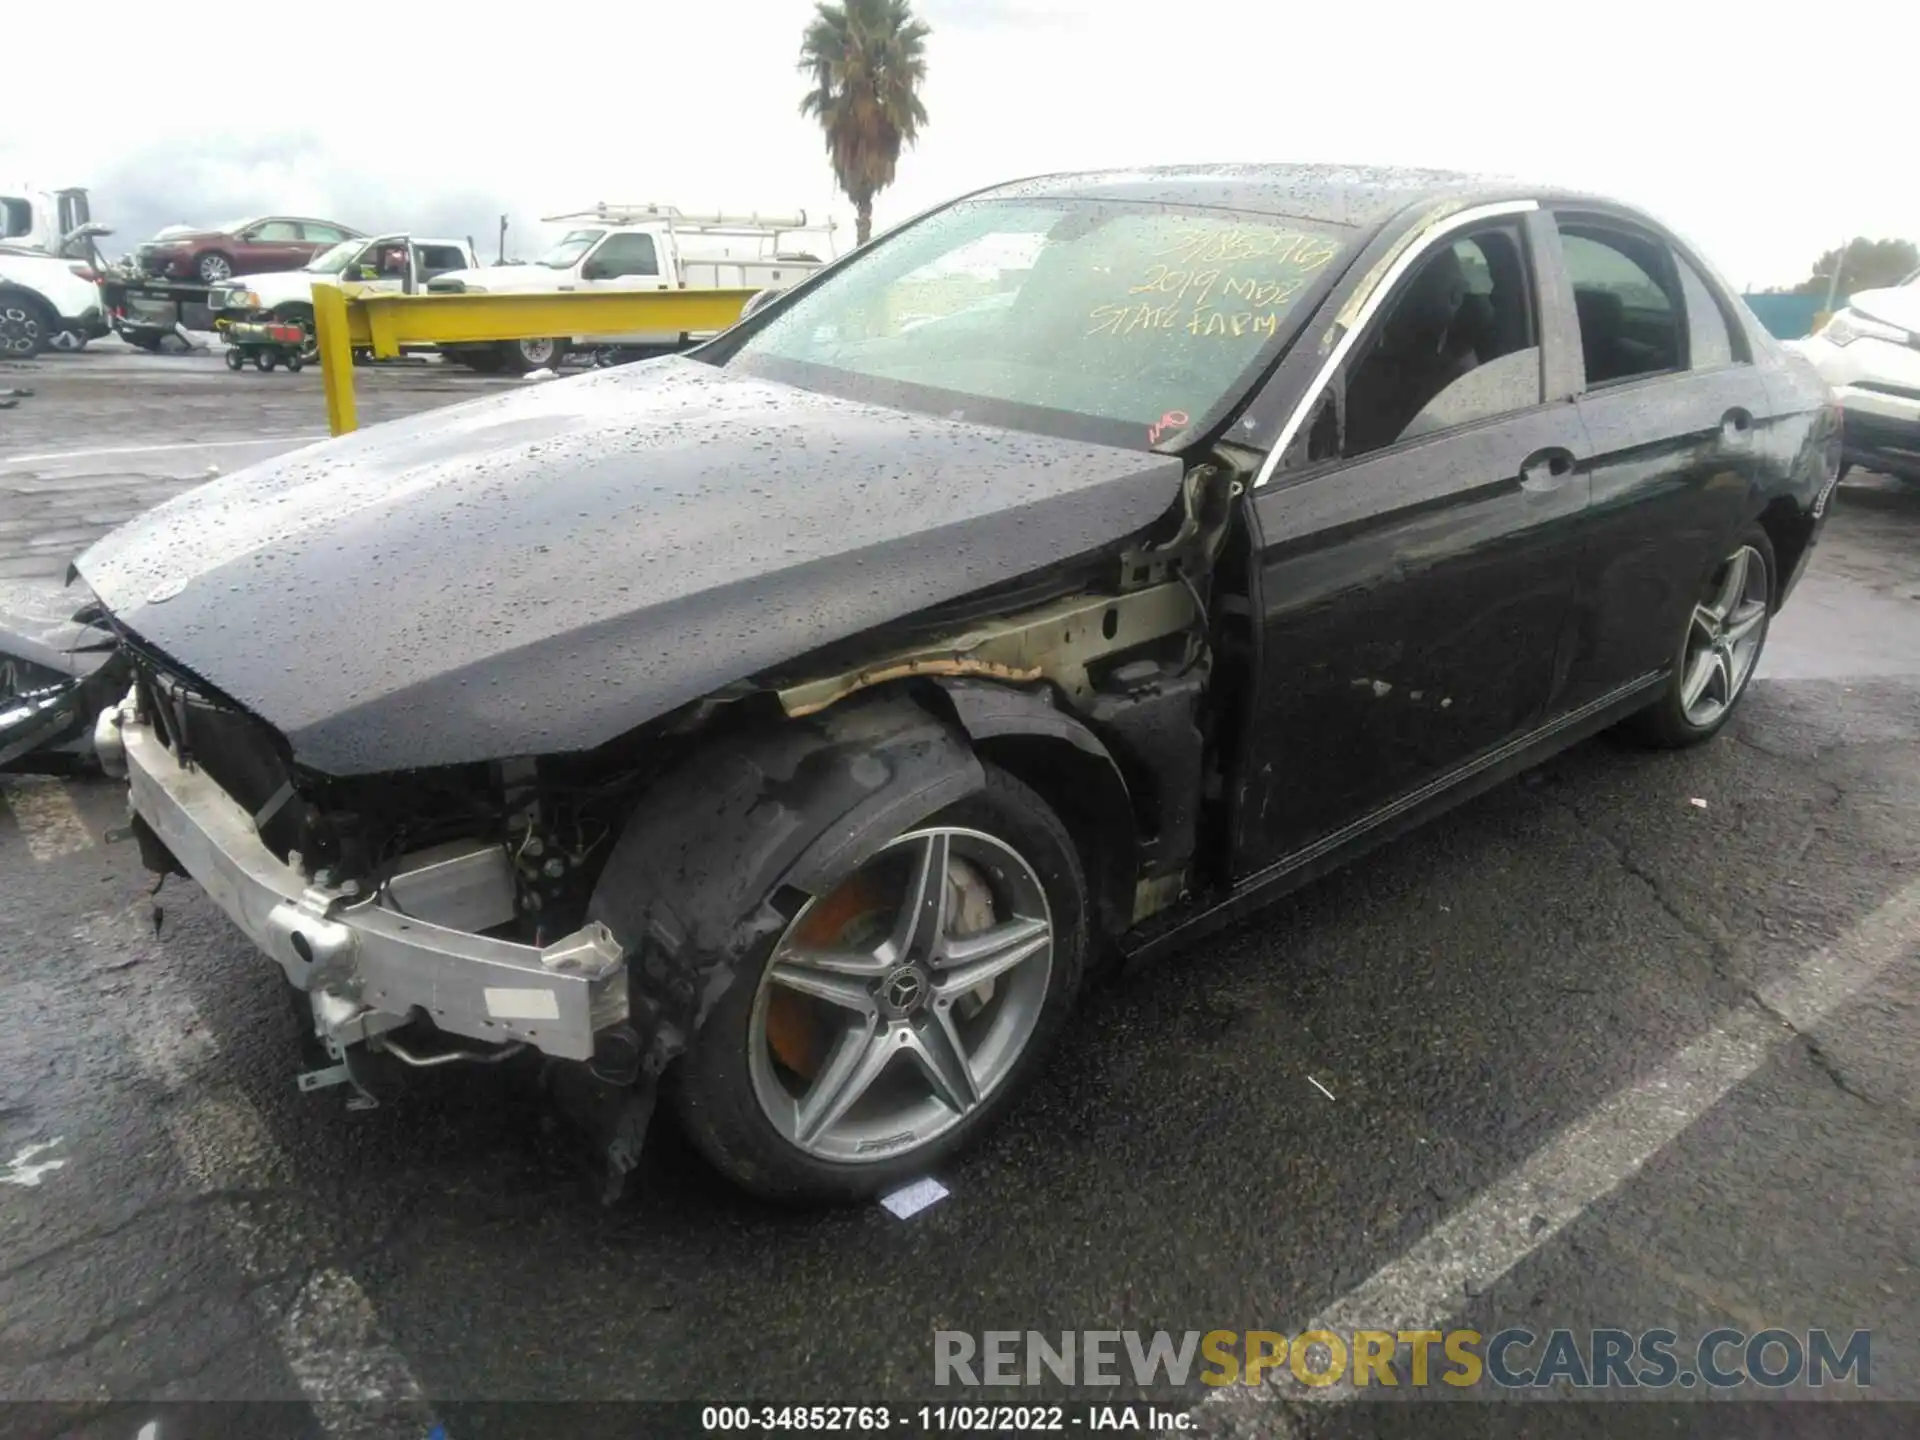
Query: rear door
(1672, 404)
(1415, 554)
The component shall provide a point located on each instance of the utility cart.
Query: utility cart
(265, 342)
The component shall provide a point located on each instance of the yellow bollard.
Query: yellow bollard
(335, 340)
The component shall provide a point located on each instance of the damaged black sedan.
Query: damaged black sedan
(786, 728)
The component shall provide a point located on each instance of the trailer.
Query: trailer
(145, 311)
(621, 247)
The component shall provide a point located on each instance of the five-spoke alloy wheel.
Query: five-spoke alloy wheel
(1725, 631)
(1725, 639)
(896, 1003)
(899, 1008)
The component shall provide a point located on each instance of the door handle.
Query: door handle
(1546, 469)
(1736, 427)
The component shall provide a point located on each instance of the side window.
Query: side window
(1709, 343)
(439, 259)
(1624, 296)
(16, 218)
(1454, 344)
(631, 254)
(272, 230)
(324, 234)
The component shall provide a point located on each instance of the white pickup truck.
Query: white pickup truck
(407, 263)
(642, 247)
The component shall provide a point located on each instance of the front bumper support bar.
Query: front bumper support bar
(372, 963)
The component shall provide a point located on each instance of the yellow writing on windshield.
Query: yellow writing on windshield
(1224, 282)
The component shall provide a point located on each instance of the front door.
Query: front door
(1415, 559)
(627, 260)
(277, 245)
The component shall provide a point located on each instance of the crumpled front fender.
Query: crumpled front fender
(689, 889)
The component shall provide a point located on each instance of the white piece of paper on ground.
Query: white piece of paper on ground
(910, 1200)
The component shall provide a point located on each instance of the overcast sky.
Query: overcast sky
(1763, 144)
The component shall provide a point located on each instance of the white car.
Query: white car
(1870, 353)
(383, 262)
(42, 297)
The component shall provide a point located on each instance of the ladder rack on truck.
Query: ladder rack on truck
(677, 222)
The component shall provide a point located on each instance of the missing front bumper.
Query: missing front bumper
(373, 963)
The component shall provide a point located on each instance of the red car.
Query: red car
(244, 247)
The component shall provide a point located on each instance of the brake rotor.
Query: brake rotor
(795, 1033)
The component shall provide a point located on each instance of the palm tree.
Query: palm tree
(867, 59)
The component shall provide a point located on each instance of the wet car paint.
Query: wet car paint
(544, 571)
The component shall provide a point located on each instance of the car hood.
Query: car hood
(276, 286)
(542, 571)
(1898, 305)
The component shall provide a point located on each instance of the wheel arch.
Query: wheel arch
(1068, 766)
(1789, 530)
(687, 888)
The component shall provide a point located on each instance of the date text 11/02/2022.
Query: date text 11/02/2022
(961, 1419)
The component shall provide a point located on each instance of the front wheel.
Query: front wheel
(213, 267)
(235, 358)
(1725, 632)
(26, 327)
(900, 1010)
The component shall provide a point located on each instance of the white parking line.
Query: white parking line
(358, 1385)
(49, 821)
(157, 449)
(1527, 1208)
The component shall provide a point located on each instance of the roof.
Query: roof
(1354, 195)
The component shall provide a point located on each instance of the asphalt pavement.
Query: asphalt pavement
(1628, 1043)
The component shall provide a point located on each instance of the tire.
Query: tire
(720, 1088)
(1671, 722)
(27, 325)
(211, 267)
(301, 315)
(263, 360)
(235, 358)
(294, 362)
(519, 356)
(481, 362)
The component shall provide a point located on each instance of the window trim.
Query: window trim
(1605, 221)
(1362, 318)
(1738, 347)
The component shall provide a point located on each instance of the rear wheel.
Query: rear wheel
(1725, 632)
(900, 1010)
(26, 326)
(520, 356)
(481, 362)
